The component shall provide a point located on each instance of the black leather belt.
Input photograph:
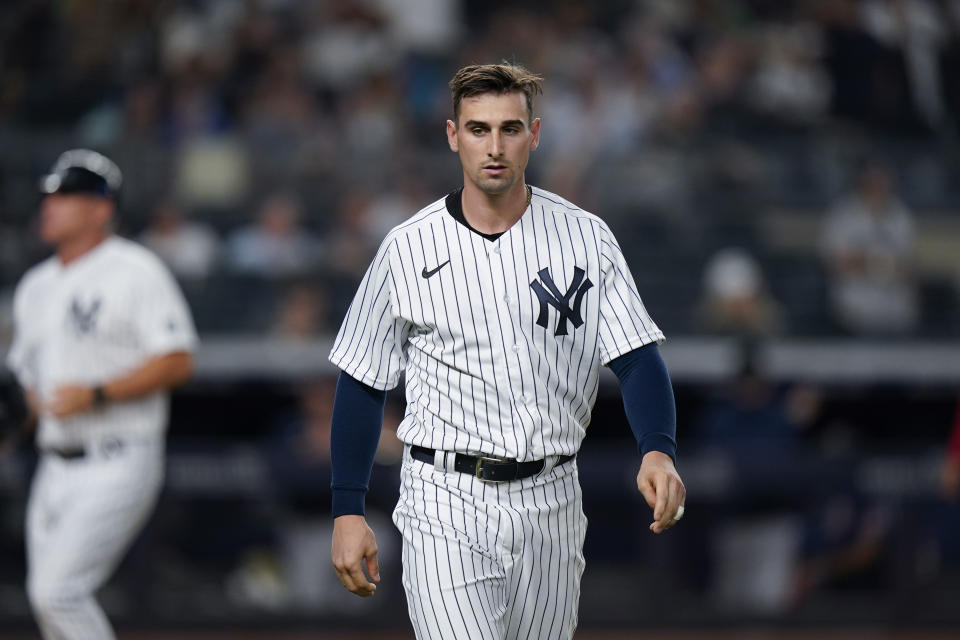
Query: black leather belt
(485, 468)
(107, 446)
(68, 454)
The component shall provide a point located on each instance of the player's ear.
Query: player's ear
(103, 211)
(452, 136)
(535, 130)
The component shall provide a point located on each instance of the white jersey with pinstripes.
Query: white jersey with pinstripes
(500, 341)
(94, 319)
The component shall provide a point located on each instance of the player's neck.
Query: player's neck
(75, 248)
(493, 213)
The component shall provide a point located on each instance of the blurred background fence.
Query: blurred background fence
(782, 175)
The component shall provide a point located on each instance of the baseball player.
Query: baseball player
(499, 302)
(101, 333)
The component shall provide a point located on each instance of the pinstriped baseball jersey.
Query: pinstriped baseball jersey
(501, 341)
(94, 319)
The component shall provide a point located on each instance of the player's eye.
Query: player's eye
(477, 131)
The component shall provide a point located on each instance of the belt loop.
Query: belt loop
(549, 462)
(449, 461)
(444, 461)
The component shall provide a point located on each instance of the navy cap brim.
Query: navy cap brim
(75, 180)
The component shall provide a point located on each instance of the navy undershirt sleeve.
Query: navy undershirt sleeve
(648, 399)
(354, 435)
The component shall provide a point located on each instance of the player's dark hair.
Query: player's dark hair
(478, 79)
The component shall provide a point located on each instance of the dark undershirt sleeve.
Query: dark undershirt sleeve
(354, 435)
(648, 399)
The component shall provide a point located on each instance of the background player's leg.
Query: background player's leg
(50, 497)
(95, 510)
(544, 576)
(451, 573)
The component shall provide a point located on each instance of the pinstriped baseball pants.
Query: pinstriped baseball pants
(81, 518)
(491, 561)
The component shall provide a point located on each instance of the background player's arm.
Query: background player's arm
(650, 409)
(157, 374)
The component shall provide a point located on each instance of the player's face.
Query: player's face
(494, 138)
(64, 217)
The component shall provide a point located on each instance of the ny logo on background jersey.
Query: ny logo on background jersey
(84, 319)
(550, 296)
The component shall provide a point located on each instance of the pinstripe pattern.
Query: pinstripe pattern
(481, 374)
(501, 343)
(93, 320)
(483, 561)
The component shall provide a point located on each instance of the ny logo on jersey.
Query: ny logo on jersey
(84, 319)
(550, 296)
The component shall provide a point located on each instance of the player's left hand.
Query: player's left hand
(70, 400)
(663, 490)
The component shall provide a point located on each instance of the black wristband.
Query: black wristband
(99, 397)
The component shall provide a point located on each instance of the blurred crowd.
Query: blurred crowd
(771, 167)
(763, 163)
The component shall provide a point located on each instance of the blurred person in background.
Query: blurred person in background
(790, 82)
(949, 530)
(735, 298)
(276, 245)
(868, 245)
(102, 333)
(302, 313)
(758, 427)
(191, 249)
(950, 479)
(846, 542)
(299, 458)
(355, 237)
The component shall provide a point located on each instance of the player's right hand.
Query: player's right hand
(354, 546)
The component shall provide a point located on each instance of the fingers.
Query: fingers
(646, 487)
(59, 406)
(70, 400)
(373, 566)
(353, 579)
(673, 510)
(354, 546)
(350, 573)
(665, 494)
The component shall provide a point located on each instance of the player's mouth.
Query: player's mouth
(494, 169)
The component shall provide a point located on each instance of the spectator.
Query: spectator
(302, 314)
(868, 243)
(189, 248)
(276, 245)
(299, 458)
(758, 429)
(950, 479)
(949, 525)
(790, 82)
(735, 299)
(354, 240)
(847, 539)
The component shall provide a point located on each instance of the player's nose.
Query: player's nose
(496, 147)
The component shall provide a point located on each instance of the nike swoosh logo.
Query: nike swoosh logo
(427, 274)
